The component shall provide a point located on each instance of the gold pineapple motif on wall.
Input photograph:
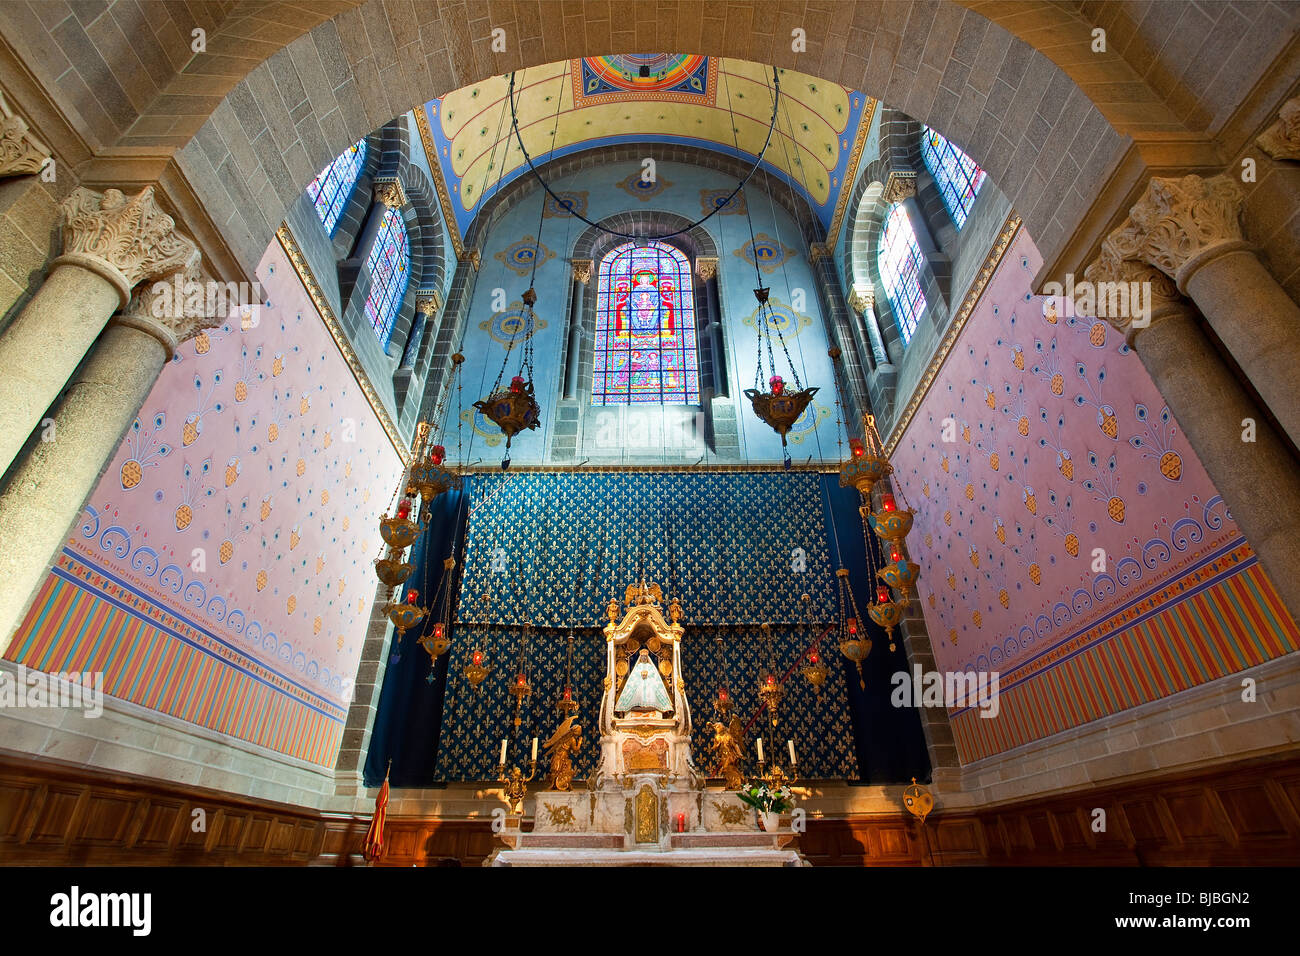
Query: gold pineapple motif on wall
(193, 488)
(205, 405)
(1158, 441)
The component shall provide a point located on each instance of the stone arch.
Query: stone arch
(976, 75)
(553, 169)
(364, 45)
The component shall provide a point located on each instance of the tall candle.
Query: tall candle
(760, 749)
(534, 749)
(503, 753)
(790, 744)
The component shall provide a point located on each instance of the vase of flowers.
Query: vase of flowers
(768, 802)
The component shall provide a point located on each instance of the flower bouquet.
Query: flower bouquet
(769, 802)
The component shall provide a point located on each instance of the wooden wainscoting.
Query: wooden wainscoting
(52, 813)
(1244, 814)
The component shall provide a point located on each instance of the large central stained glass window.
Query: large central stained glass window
(645, 328)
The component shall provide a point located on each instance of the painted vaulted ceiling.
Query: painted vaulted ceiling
(717, 103)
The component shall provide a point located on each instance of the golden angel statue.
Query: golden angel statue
(728, 748)
(561, 748)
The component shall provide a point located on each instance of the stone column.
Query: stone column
(582, 269)
(48, 488)
(706, 270)
(110, 244)
(1258, 480)
(1190, 230)
(427, 304)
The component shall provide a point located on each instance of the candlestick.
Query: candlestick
(503, 753)
(790, 744)
(760, 750)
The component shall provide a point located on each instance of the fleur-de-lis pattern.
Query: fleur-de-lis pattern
(571, 541)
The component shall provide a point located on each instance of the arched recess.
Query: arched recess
(867, 47)
(308, 80)
(388, 160)
(524, 189)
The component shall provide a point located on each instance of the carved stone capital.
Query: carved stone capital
(1149, 294)
(900, 185)
(706, 267)
(472, 255)
(861, 301)
(582, 269)
(818, 251)
(428, 302)
(123, 240)
(390, 192)
(21, 153)
(1282, 139)
(1180, 224)
(172, 309)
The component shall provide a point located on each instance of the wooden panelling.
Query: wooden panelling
(1244, 814)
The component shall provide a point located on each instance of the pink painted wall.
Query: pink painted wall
(241, 511)
(1059, 444)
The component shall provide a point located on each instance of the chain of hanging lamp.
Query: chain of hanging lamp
(718, 207)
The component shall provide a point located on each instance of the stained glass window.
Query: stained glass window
(389, 264)
(958, 177)
(899, 259)
(330, 190)
(645, 328)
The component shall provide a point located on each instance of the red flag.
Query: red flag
(374, 845)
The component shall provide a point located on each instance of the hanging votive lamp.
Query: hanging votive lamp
(900, 574)
(476, 669)
(770, 692)
(866, 464)
(778, 406)
(815, 671)
(514, 408)
(887, 614)
(405, 615)
(852, 644)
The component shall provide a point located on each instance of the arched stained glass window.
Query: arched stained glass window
(958, 177)
(899, 260)
(645, 328)
(330, 190)
(389, 266)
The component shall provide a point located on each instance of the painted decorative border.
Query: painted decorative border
(439, 183)
(308, 280)
(973, 296)
(1219, 619)
(79, 623)
(851, 170)
(581, 99)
